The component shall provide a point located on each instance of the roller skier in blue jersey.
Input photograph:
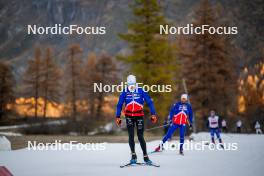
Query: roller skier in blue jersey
(180, 115)
(134, 98)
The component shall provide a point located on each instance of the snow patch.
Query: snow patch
(247, 160)
(10, 134)
(5, 144)
(55, 122)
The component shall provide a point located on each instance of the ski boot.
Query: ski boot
(147, 160)
(133, 158)
(221, 143)
(181, 152)
(159, 148)
(213, 141)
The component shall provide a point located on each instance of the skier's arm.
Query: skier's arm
(172, 112)
(120, 104)
(190, 114)
(149, 102)
(219, 122)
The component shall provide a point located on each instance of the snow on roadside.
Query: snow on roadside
(5, 144)
(55, 122)
(10, 134)
(247, 160)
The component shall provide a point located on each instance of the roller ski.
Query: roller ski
(157, 149)
(133, 162)
(221, 145)
(148, 162)
(139, 164)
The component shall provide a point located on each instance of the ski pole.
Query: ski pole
(149, 129)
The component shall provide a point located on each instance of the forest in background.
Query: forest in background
(220, 74)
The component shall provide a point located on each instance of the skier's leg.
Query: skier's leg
(170, 132)
(130, 129)
(238, 130)
(217, 132)
(182, 132)
(168, 135)
(212, 134)
(140, 134)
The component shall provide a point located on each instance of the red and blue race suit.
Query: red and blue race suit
(134, 102)
(179, 114)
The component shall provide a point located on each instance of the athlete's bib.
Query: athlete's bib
(213, 122)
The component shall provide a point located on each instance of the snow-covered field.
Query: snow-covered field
(247, 160)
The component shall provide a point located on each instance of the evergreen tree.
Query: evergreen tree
(248, 17)
(32, 81)
(50, 84)
(6, 88)
(73, 78)
(208, 67)
(151, 57)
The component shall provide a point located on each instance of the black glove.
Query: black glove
(190, 127)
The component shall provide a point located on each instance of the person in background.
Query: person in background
(224, 125)
(214, 125)
(180, 114)
(258, 128)
(239, 125)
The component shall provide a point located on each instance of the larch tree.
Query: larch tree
(7, 83)
(73, 78)
(50, 84)
(106, 69)
(90, 76)
(32, 82)
(251, 90)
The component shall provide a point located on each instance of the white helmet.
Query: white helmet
(184, 96)
(131, 80)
